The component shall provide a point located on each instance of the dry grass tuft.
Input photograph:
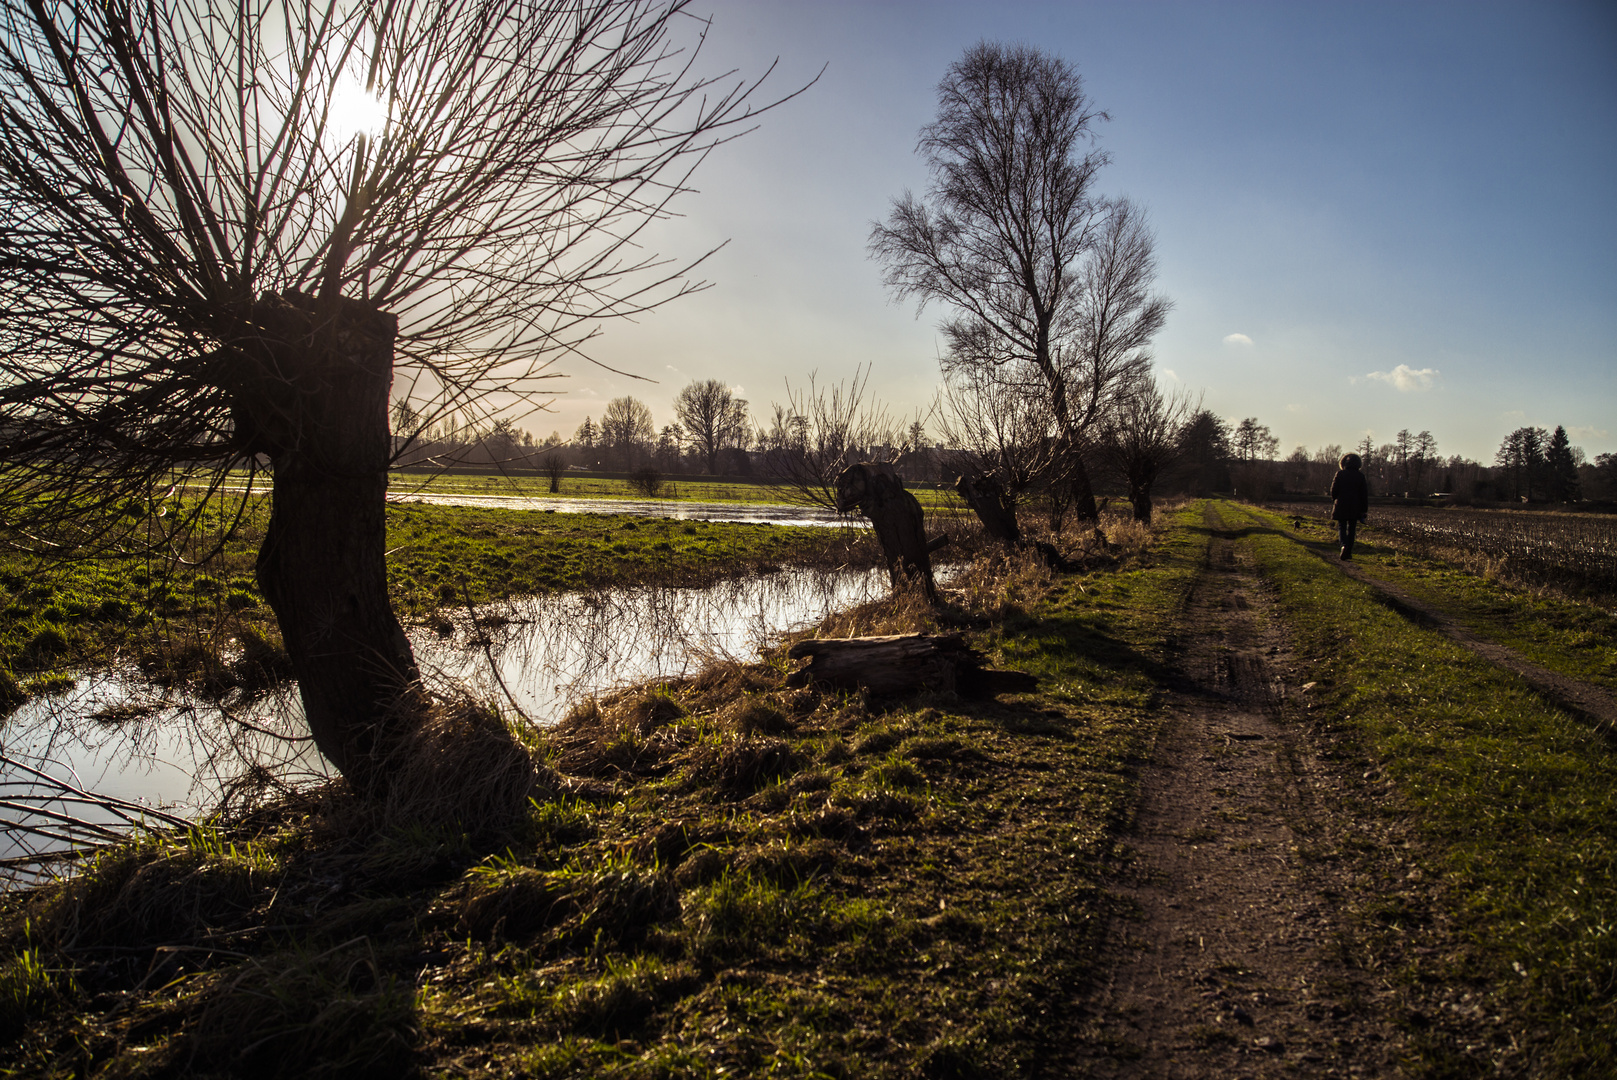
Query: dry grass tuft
(738, 767)
(1003, 584)
(462, 764)
(615, 735)
(903, 612)
(1127, 538)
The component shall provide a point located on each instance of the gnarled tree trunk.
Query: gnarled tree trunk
(313, 395)
(987, 499)
(897, 519)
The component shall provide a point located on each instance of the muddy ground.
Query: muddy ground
(1262, 840)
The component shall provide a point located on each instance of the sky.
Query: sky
(1368, 216)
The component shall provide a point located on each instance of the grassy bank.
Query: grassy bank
(1566, 635)
(722, 876)
(176, 620)
(1514, 804)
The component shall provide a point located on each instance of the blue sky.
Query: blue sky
(1368, 216)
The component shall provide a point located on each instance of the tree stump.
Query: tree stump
(987, 499)
(902, 664)
(897, 519)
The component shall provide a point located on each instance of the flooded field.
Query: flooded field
(744, 513)
(115, 739)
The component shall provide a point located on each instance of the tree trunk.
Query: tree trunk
(1141, 478)
(317, 403)
(986, 497)
(896, 517)
(1083, 493)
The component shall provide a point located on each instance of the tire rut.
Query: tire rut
(1235, 961)
(1587, 700)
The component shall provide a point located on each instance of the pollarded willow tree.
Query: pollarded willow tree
(1049, 283)
(224, 229)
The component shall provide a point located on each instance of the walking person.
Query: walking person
(1350, 494)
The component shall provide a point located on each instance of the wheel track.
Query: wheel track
(1237, 962)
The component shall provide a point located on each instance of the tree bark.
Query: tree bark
(1141, 478)
(986, 497)
(316, 401)
(897, 519)
(1083, 493)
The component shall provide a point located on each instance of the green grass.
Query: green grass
(438, 549)
(1516, 801)
(675, 489)
(177, 620)
(1576, 639)
(744, 880)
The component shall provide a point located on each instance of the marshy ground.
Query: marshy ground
(1256, 820)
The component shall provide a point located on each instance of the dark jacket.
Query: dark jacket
(1352, 494)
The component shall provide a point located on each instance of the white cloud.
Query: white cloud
(1295, 408)
(1407, 379)
(1587, 431)
(1171, 374)
(1237, 339)
(738, 390)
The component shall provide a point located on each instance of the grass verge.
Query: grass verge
(1516, 805)
(731, 878)
(1565, 635)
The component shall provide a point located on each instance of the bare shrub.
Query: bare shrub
(646, 481)
(1004, 584)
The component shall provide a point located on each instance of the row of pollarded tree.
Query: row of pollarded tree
(204, 263)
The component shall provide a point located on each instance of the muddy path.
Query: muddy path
(1238, 957)
(1585, 699)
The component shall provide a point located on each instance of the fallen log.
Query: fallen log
(902, 664)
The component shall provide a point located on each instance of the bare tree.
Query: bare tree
(713, 419)
(820, 431)
(627, 431)
(1006, 435)
(669, 441)
(210, 260)
(1253, 442)
(1039, 270)
(1142, 437)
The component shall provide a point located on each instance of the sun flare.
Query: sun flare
(354, 111)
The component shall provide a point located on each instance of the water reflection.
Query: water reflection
(140, 749)
(551, 651)
(744, 513)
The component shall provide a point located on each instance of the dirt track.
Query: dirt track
(1580, 697)
(1238, 960)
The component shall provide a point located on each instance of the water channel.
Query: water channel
(116, 735)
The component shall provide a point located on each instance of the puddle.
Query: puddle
(743, 513)
(116, 735)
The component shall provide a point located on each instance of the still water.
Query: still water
(746, 513)
(116, 735)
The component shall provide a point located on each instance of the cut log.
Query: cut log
(902, 664)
